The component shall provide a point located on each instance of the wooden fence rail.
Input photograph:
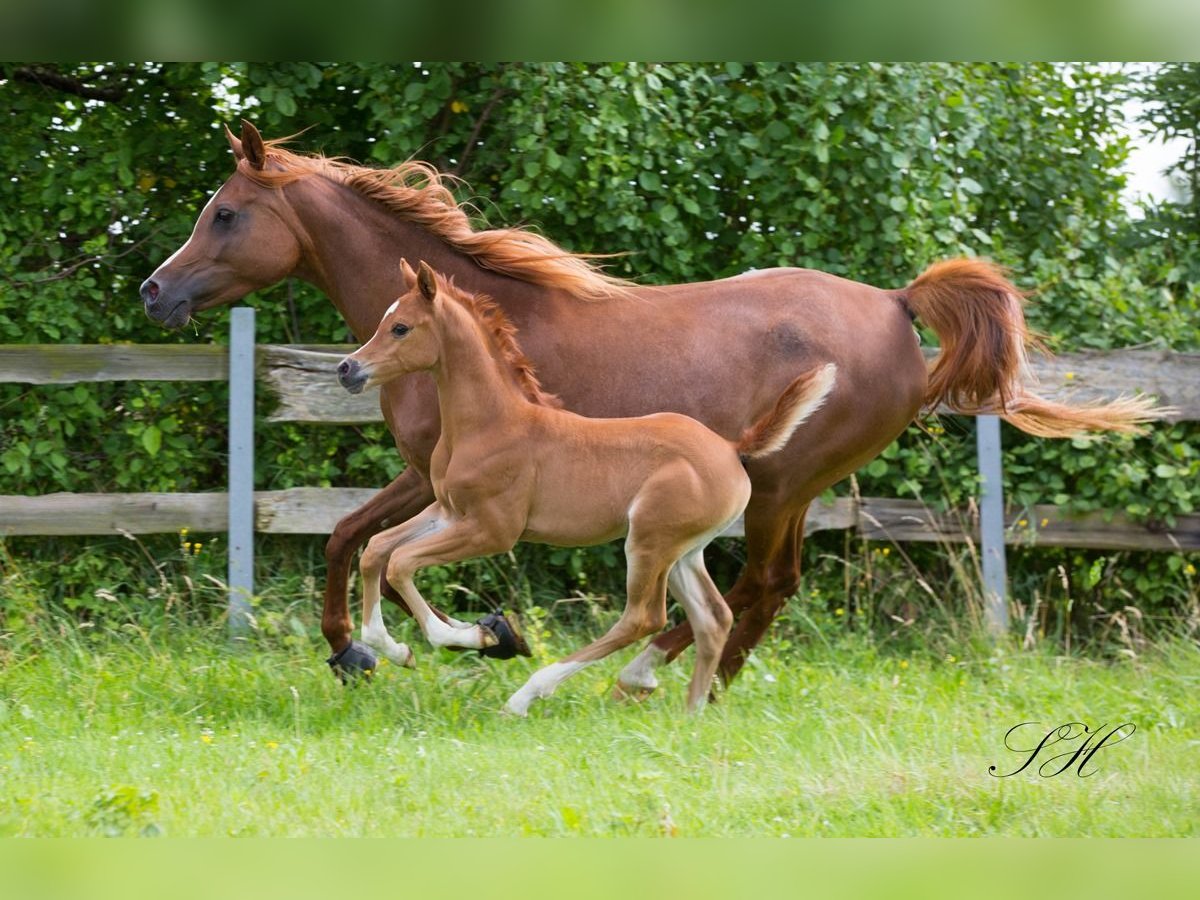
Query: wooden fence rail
(302, 379)
(309, 510)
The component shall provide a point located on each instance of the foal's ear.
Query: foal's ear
(426, 282)
(234, 144)
(253, 148)
(407, 273)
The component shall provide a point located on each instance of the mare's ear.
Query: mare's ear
(426, 282)
(253, 148)
(234, 144)
(407, 273)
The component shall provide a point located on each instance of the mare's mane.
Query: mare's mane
(419, 193)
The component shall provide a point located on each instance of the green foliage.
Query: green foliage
(697, 170)
(165, 730)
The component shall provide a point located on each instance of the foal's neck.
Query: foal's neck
(477, 388)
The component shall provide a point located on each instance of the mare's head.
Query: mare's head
(405, 341)
(244, 240)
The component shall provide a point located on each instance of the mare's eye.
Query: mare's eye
(400, 330)
(225, 215)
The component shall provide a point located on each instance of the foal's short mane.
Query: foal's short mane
(488, 312)
(419, 193)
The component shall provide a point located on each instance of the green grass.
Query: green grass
(173, 733)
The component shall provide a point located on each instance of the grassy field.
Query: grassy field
(174, 733)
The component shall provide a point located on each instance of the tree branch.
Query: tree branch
(45, 77)
(497, 95)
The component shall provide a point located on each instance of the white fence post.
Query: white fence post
(991, 523)
(241, 468)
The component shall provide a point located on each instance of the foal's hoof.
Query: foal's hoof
(623, 693)
(353, 662)
(509, 640)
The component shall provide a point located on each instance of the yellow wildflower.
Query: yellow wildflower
(1070, 376)
(839, 612)
(458, 106)
(272, 745)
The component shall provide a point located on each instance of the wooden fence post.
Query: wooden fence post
(991, 523)
(241, 468)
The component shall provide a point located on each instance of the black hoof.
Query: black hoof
(353, 662)
(511, 641)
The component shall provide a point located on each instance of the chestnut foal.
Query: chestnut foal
(512, 466)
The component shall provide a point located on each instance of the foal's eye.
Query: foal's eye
(400, 330)
(225, 215)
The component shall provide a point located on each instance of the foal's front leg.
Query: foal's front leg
(452, 541)
(374, 557)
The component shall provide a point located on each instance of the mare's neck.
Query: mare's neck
(352, 252)
(476, 388)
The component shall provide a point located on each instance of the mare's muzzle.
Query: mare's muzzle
(351, 375)
(160, 307)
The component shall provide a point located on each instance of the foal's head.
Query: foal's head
(405, 340)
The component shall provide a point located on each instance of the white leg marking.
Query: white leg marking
(639, 674)
(438, 632)
(541, 683)
(375, 634)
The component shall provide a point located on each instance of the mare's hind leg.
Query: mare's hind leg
(709, 617)
(782, 579)
(771, 529)
(645, 613)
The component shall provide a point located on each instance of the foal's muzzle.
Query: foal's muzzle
(351, 375)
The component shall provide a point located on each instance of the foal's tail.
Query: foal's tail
(977, 314)
(799, 400)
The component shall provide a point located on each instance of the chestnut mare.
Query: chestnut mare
(511, 466)
(721, 352)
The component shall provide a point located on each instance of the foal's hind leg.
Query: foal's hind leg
(769, 528)
(709, 617)
(645, 613)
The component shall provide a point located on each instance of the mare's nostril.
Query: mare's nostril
(344, 367)
(149, 291)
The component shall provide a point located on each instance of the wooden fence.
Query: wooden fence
(302, 381)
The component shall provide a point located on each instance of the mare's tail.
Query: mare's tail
(800, 399)
(977, 314)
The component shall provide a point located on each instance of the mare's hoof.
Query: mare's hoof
(509, 640)
(353, 662)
